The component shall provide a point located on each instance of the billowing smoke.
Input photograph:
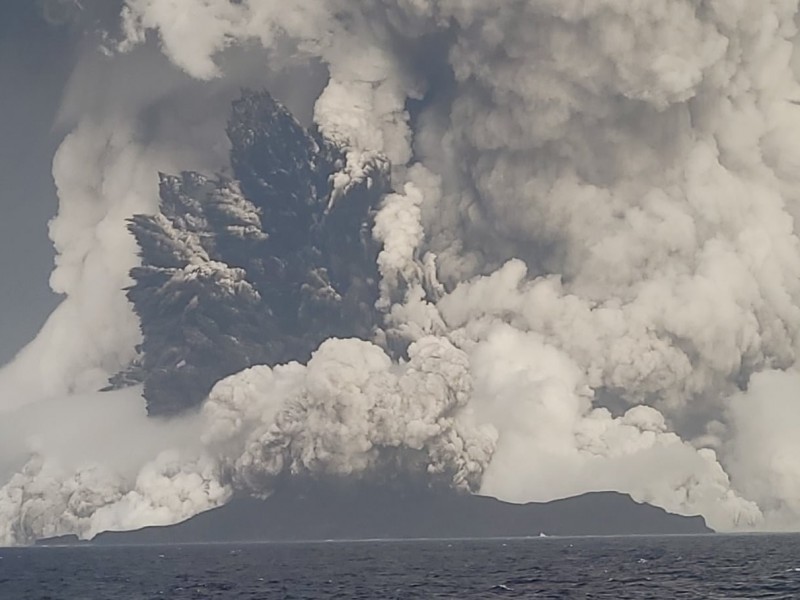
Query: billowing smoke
(56, 482)
(339, 416)
(588, 259)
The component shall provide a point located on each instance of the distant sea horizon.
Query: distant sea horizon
(701, 566)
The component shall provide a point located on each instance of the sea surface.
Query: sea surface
(707, 567)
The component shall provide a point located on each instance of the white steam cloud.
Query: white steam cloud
(339, 415)
(592, 244)
(56, 482)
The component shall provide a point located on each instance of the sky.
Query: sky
(35, 62)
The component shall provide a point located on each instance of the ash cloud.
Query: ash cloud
(255, 270)
(351, 412)
(592, 215)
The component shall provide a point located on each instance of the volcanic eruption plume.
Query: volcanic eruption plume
(526, 248)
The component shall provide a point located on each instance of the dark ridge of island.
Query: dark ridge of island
(365, 514)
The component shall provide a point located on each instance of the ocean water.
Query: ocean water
(707, 567)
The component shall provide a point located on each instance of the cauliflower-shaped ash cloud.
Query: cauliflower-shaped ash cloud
(582, 213)
(351, 412)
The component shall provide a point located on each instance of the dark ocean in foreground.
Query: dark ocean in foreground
(707, 567)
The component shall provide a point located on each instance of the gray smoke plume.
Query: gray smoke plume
(593, 208)
(340, 416)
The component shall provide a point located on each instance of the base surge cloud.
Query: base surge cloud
(586, 256)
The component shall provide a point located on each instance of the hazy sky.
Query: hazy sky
(35, 60)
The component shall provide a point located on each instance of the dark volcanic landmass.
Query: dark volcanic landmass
(344, 513)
